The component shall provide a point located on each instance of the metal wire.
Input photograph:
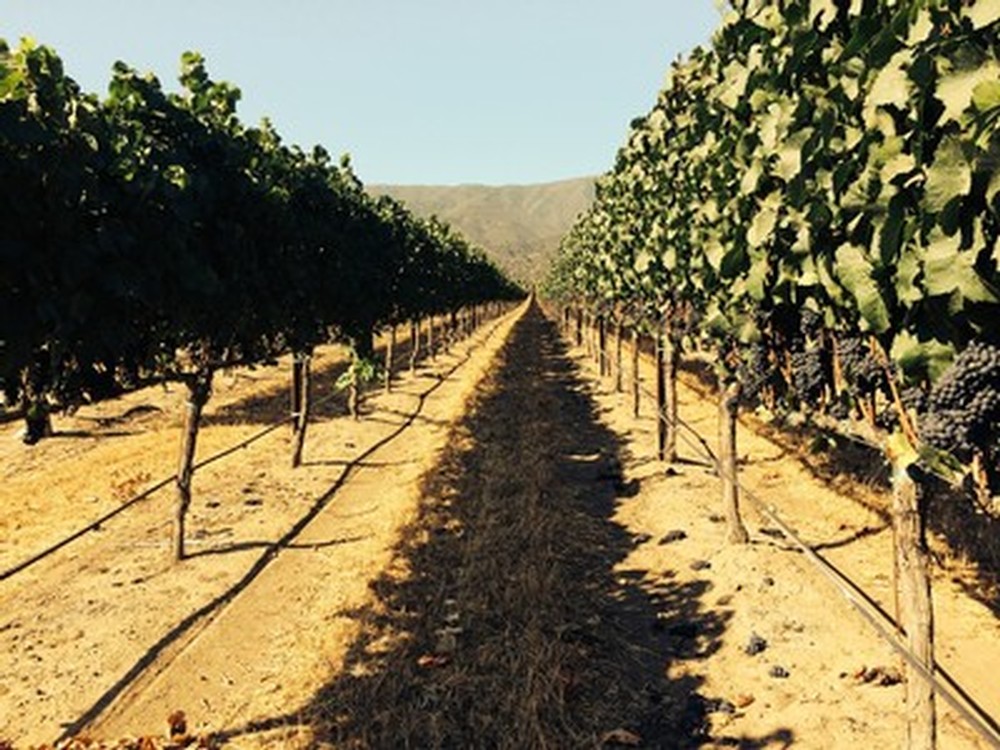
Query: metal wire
(149, 491)
(977, 719)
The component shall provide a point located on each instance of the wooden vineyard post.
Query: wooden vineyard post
(296, 392)
(595, 336)
(602, 346)
(728, 413)
(671, 361)
(579, 327)
(661, 395)
(199, 387)
(390, 352)
(431, 348)
(636, 390)
(619, 381)
(300, 405)
(916, 615)
(414, 344)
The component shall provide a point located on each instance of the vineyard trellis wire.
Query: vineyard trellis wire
(880, 621)
(156, 487)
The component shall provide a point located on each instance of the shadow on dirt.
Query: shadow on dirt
(505, 621)
(952, 512)
(327, 402)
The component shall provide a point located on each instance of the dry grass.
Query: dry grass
(504, 623)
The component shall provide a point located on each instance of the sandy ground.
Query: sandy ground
(768, 589)
(503, 570)
(109, 628)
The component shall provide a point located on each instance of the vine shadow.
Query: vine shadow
(506, 620)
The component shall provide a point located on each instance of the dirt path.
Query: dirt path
(513, 570)
(767, 589)
(504, 622)
(109, 632)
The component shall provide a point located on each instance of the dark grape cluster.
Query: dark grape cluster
(861, 369)
(808, 374)
(914, 399)
(976, 368)
(757, 371)
(963, 407)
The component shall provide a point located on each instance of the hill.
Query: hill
(519, 226)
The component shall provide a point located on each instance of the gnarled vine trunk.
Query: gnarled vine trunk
(728, 412)
(199, 387)
(300, 404)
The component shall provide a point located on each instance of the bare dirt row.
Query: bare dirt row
(109, 636)
(511, 568)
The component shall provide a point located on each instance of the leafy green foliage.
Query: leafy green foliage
(155, 235)
(840, 157)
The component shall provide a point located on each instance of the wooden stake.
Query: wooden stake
(636, 390)
(916, 615)
(671, 362)
(199, 387)
(414, 344)
(301, 420)
(728, 413)
(619, 383)
(390, 353)
(661, 396)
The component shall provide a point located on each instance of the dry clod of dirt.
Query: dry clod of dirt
(878, 676)
(720, 706)
(743, 700)
(778, 672)
(700, 565)
(675, 535)
(756, 645)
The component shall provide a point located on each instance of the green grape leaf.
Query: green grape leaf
(986, 93)
(907, 269)
(763, 224)
(919, 359)
(979, 86)
(822, 12)
(891, 85)
(757, 277)
(948, 270)
(949, 176)
(982, 13)
(854, 271)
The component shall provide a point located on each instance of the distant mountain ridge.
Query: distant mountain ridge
(519, 226)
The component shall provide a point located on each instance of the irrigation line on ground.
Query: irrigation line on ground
(973, 714)
(149, 491)
(176, 640)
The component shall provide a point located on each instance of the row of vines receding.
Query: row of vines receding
(815, 198)
(152, 235)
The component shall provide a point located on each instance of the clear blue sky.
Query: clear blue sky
(417, 91)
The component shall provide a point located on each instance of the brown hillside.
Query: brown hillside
(518, 225)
